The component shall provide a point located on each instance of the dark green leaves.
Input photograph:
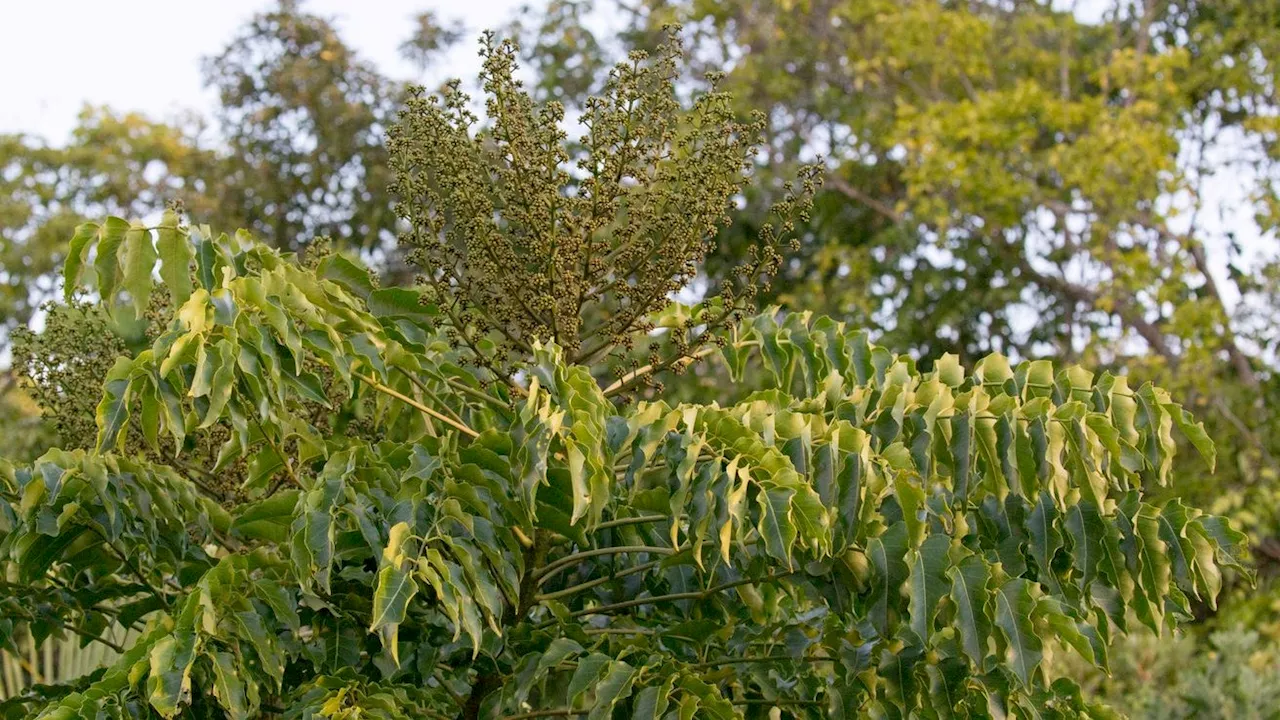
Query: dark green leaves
(889, 570)
(971, 597)
(855, 533)
(928, 582)
(1014, 605)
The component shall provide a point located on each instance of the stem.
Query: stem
(767, 658)
(553, 567)
(477, 394)
(129, 564)
(779, 703)
(430, 395)
(284, 459)
(627, 380)
(392, 392)
(638, 520)
(700, 595)
(598, 581)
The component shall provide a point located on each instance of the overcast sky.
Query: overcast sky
(145, 55)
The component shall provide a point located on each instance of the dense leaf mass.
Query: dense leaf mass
(443, 509)
(854, 535)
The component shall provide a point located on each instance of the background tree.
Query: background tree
(304, 118)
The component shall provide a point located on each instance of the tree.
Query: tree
(451, 515)
(302, 118)
(306, 135)
(1011, 177)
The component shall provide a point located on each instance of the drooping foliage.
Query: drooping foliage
(434, 527)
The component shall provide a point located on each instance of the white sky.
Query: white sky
(144, 55)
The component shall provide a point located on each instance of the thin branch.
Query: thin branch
(637, 520)
(764, 659)
(430, 395)
(123, 558)
(598, 581)
(844, 187)
(554, 567)
(627, 381)
(779, 703)
(392, 392)
(699, 595)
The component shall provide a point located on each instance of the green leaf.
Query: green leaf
(1014, 607)
(207, 262)
(1066, 628)
(775, 523)
(614, 688)
(928, 582)
(138, 256)
(391, 598)
(652, 702)
(85, 233)
(174, 249)
(399, 302)
(107, 261)
(1084, 525)
(887, 554)
(586, 675)
(1195, 432)
(169, 680)
(268, 519)
(1045, 539)
(349, 275)
(969, 594)
(228, 687)
(113, 409)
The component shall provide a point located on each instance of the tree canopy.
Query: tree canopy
(315, 494)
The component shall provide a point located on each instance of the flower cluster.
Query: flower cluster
(524, 237)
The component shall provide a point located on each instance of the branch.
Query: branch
(554, 567)
(1124, 307)
(392, 392)
(627, 381)
(699, 595)
(598, 581)
(766, 658)
(638, 520)
(123, 558)
(844, 187)
(1238, 359)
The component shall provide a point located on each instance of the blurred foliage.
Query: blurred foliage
(1231, 674)
(302, 118)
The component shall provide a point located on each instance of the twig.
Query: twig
(129, 564)
(392, 392)
(430, 395)
(699, 595)
(638, 520)
(598, 581)
(767, 658)
(554, 567)
(624, 382)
